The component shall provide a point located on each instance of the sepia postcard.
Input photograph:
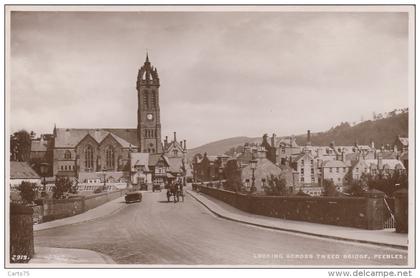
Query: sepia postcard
(183, 136)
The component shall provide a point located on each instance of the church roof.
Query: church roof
(70, 137)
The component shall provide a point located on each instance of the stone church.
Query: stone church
(83, 152)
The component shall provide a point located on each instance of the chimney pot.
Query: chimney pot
(185, 144)
(174, 136)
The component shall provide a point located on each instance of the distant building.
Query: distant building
(22, 172)
(335, 171)
(401, 144)
(287, 149)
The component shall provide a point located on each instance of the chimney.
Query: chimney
(372, 144)
(291, 140)
(308, 139)
(174, 136)
(273, 140)
(181, 145)
(185, 144)
(165, 142)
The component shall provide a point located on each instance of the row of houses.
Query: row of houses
(305, 168)
(142, 169)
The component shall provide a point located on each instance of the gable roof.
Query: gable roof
(176, 164)
(334, 163)
(70, 137)
(139, 159)
(22, 170)
(403, 140)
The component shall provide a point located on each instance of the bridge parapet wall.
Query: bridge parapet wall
(359, 212)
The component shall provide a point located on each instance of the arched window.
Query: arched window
(89, 157)
(146, 98)
(67, 154)
(153, 96)
(110, 157)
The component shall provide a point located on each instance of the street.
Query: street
(186, 233)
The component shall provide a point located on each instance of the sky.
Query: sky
(222, 74)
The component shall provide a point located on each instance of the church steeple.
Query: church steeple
(148, 114)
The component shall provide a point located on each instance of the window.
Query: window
(175, 152)
(146, 98)
(67, 154)
(302, 179)
(337, 170)
(110, 157)
(302, 162)
(312, 162)
(313, 179)
(153, 95)
(89, 157)
(357, 169)
(312, 171)
(330, 170)
(339, 179)
(302, 171)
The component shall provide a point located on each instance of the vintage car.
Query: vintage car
(133, 196)
(156, 187)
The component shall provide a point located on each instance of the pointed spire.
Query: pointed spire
(147, 56)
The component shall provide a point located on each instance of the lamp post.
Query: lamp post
(253, 164)
(44, 170)
(104, 174)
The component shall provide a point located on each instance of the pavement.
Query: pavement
(386, 237)
(155, 232)
(63, 256)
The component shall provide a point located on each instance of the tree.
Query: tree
(388, 183)
(62, 185)
(330, 188)
(276, 186)
(27, 191)
(20, 146)
(232, 172)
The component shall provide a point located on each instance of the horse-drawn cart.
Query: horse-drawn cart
(175, 192)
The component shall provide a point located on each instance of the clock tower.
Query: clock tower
(148, 113)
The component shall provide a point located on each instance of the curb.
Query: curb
(396, 246)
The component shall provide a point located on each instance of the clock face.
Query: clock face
(149, 116)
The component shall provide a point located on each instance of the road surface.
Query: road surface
(157, 232)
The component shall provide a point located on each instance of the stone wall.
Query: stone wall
(358, 212)
(96, 200)
(56, 209)
(21, 234)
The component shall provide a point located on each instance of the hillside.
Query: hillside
(219, 147)
(381, 131)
